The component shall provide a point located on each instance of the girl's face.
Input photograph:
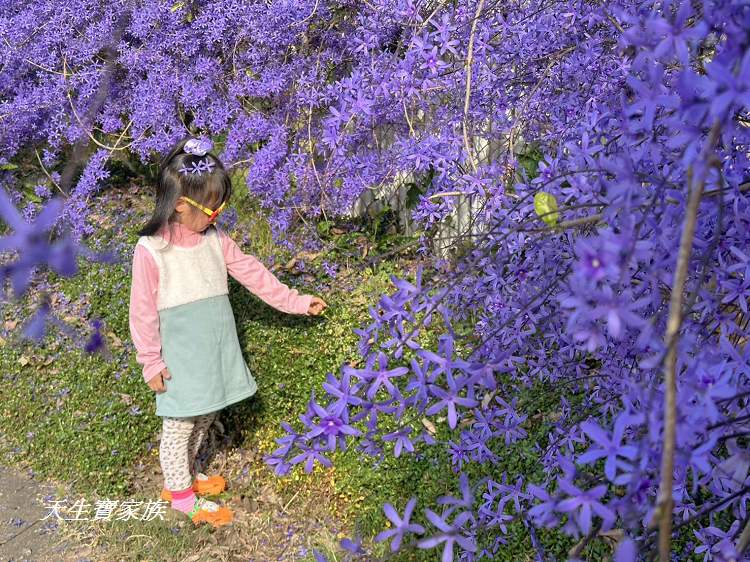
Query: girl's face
(193, 218)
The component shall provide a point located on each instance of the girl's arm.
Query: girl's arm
(144, 319)
(249, 271)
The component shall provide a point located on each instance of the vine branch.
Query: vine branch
(665, 504)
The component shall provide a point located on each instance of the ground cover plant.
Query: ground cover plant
(606, 145)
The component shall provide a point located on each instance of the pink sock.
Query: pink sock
(183, 500)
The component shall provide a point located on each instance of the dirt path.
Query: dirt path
(27, 533)
(265, 528)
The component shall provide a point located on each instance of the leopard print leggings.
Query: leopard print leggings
(181, 439)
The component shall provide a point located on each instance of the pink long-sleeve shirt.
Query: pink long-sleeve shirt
(248, 270)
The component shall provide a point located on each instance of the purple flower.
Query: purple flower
(730, 89)
(381, 376)
(450, 534)
(401, 437)
(467, 497)
(342, 390)
(309, 455)
(32, 242)
(543, 513)
(96, 340)
(353, 546)
(449, 399)
(331, 424)
(608, 448)
(595, 263)
(35, 328)
(626, 551)
(401, 524)
(584, 504)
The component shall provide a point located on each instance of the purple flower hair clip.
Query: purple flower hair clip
(198, 147)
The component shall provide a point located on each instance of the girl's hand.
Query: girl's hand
(317, 306)
(157, 383)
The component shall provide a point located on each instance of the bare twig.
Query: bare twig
(469, 57)
(744, 539)
(448, 194)
(408, 121)
(576, 551)
(44, 169)
(79, 148)
(665, 504)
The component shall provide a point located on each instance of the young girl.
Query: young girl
(181, 321)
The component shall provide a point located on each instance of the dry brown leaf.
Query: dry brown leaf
(613, 536)
(429, 425)
(116, 342)
(267, 495)
(466, 422)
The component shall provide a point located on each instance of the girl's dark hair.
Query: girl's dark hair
(208, 189)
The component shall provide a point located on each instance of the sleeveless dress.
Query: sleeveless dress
(198, 332)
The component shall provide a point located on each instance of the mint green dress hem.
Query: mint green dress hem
(213, 408)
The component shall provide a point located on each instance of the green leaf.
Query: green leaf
(9, 166)
(545, 206)
(324, 227)
(413, 195)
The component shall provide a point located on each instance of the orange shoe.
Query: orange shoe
(209, 485)
(202, 485)
(206, 511)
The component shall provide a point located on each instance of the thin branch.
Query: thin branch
(744, 539)
(576, 551)
(665, 504)
(57, 185)
(100, 97)
(408, 121)
(469, 57)
(448, 194)
(300, 22)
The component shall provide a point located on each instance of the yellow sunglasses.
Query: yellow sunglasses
(211, 213)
